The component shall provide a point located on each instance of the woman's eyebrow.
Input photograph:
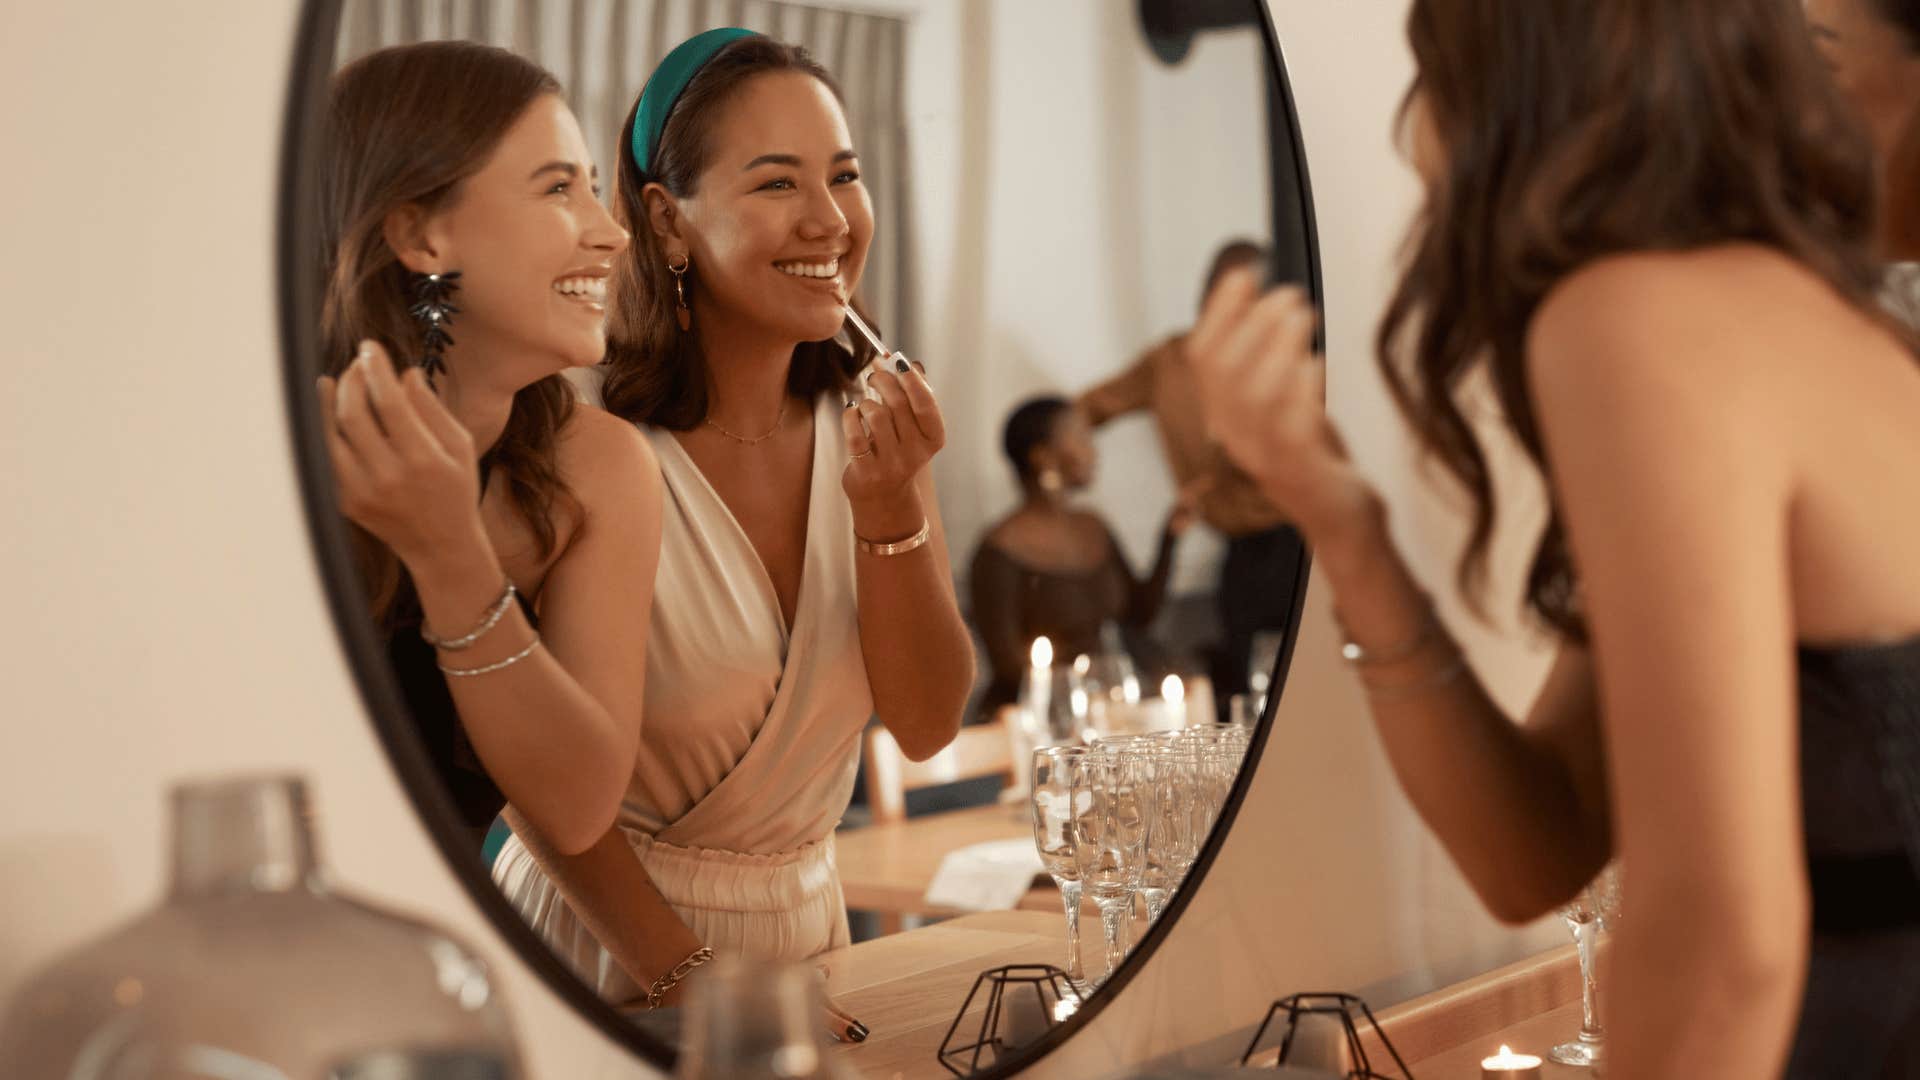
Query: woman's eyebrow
(792, 160)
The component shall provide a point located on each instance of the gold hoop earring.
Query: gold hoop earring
(683, 313)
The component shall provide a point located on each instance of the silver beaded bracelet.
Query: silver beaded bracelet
(497, 664)
(487, 622)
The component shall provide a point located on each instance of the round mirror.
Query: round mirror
(1014, 210)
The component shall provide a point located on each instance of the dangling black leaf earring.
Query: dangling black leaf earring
(684, 314)
(434, 313)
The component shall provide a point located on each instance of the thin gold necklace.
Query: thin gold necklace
(742, 439)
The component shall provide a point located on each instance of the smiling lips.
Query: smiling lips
(823, 271)
(591, 291)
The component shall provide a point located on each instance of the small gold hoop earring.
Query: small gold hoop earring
(682, 313)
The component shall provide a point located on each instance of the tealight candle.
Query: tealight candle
(1507, 1065)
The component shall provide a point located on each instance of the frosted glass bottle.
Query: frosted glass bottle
(253, 968)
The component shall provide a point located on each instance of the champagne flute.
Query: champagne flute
(1053, 822)
(1110, 832)
(1590, 913)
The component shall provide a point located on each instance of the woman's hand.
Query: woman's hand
(405, 468)
(1264, 393)
(890, 441)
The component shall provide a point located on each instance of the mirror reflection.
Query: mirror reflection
(776, 471)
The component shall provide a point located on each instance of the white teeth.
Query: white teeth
(586, 288)
(811, 270)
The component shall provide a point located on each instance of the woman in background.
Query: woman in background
(1052, 569)
(1681, 329)
(481, 494)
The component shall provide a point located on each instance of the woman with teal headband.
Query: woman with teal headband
(804, 582)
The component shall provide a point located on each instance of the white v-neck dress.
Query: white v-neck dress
(750, 737)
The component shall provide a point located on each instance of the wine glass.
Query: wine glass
(1110, 834)
(1590, 913)
(1170, 848)
(754, 1020)
(1053, 817)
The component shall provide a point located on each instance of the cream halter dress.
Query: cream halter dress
(750, 737)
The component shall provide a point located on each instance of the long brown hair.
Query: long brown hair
(657, 373)
(1574, 130)
(406, 126)
(1903, 203)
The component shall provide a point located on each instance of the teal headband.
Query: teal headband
(669, 81)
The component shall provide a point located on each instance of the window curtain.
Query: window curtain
(603, 50)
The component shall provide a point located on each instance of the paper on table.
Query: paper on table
(985, 877)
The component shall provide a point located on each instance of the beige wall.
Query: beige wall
(162, 618)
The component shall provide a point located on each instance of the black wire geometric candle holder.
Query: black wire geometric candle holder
(1342, 1006)
(1023, 1003)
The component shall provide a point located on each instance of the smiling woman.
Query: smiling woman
(777, 635)
(497, 475)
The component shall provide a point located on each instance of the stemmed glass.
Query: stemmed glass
(1589, 914)
(1052, 801)
(1110, 834)
(1170, 841)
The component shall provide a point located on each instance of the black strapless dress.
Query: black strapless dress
(1860, 788)
(476, 798)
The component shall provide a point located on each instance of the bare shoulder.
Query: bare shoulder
(601, 454)
(1678, 327)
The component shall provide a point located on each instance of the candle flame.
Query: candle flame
(1173, 690)
(1505, 1050)
(1082, 664)
(1042, 652)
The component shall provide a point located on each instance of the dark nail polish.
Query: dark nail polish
(849, 403)
(857, 1031)
(900, 366)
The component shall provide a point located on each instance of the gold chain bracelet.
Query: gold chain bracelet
(664, 985)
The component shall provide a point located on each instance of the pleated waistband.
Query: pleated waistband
(714, 879)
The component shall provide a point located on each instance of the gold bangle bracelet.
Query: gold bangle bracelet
(899, 547)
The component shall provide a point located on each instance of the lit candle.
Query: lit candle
(1507, 1065)
(1173, 691)
(1039, 695)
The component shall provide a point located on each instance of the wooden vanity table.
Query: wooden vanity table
(906, 988)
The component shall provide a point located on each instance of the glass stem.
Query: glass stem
(1070, 896)
(1156, 903)
(1583, 938)
(1112, 912)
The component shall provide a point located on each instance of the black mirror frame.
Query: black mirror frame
(298, 260)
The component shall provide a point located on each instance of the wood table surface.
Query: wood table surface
(907, 987)
(888, 867)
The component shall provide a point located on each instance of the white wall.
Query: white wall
(163, 618)
(1070, 191)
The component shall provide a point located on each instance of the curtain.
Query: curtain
(603, 50)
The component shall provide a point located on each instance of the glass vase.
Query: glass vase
(252, 966)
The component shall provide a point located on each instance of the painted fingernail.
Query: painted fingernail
(849, 403)
(900, 366)
(857, 1031)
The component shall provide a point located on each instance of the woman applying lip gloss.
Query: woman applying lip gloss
(804, 583)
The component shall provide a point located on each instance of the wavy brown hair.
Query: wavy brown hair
(406, 126)
(656, 372)
(1578, 129)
